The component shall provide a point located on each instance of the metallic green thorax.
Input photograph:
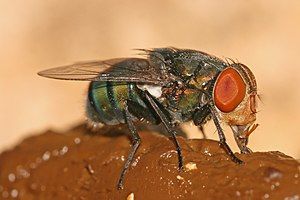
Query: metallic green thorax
(195, 73)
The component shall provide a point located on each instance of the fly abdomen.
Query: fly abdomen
(106, 101)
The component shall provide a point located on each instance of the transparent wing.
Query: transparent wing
(115, 70)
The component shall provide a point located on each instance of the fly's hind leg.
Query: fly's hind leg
(136, 143)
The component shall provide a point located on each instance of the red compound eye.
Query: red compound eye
(229, 91)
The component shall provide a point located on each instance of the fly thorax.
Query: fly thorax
(203, 100)
(203, 78)
(181, 100)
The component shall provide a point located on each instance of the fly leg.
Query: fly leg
(201, 128)
(136, 142)
(223, 142)
(200, 117)
(167, 125)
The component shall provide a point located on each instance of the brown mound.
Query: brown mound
(78, 165)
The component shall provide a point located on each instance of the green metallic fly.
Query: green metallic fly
(169, 86)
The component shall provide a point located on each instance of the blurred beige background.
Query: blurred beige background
(34, 35)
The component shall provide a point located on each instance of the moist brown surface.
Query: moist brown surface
(79, 165)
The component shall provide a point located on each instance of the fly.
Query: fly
(169, 86)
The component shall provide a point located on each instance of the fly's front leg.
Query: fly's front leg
(136, 142)
(223, 139)
(168, 126)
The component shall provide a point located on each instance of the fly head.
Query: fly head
(234, 97)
